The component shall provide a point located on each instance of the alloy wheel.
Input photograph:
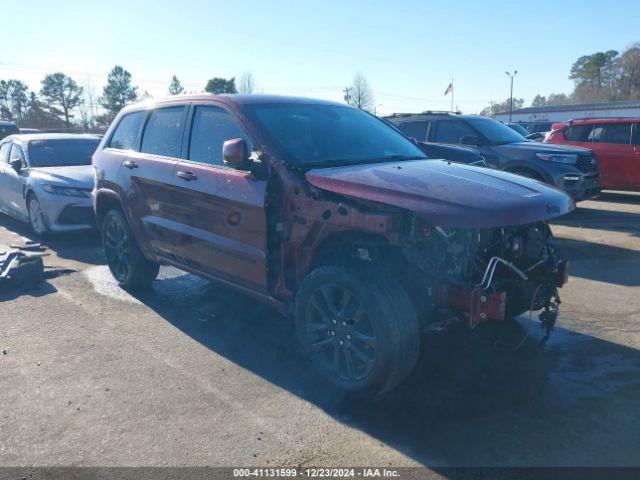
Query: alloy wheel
(117, 250)
(36, 217)
(340, 333)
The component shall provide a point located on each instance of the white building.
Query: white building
(562, 113)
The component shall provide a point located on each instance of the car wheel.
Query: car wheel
(128, 265)
(359, 329)
(36, 216)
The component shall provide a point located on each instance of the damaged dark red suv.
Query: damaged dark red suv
(331, 216)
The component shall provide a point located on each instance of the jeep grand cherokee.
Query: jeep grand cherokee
(331, 216)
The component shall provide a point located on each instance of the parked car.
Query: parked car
(616, 141)
(536, 127)
(328, 214)
(7, 128)
(518, 128)
(46, 180)
(457, 153)
(460, 154)
(572, 169)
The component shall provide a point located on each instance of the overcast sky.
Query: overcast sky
(408, 50)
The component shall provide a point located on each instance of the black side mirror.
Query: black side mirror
(469, 140)
(235, 154)
(16, 164)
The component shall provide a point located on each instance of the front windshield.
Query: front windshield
(62, 152)
(497, 133)
(324, 135)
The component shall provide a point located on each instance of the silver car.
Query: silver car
(46, 180)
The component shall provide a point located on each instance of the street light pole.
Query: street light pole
(511, 75)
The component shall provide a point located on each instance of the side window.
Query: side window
(163, 133)
(450, 131)
(4, 151)
(127, 132)
(16, 152)
(596, 134)
(212, 127)
(577, 133)
(619, 133)
(636, 135)
(417, 130)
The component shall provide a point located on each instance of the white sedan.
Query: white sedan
(46, 180)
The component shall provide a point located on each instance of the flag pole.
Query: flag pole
(451, 94)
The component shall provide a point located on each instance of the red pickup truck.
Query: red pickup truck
(616, 143)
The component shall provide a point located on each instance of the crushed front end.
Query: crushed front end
(489, 274)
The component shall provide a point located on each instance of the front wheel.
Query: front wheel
(359, 329)
(36, 216)
(125, 260)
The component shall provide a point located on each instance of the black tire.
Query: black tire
(37, 221)
(386, 331)
(128, 265)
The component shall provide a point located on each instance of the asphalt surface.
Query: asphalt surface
(193, 374)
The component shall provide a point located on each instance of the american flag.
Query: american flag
(449, 89)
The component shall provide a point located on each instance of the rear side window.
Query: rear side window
(619, 133)
(450, 131)
(127, 132)
(577, 133)
(212, 127)
(163, 133)
(417, 130)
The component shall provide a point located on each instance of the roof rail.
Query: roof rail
(443, 112)
(599, 118)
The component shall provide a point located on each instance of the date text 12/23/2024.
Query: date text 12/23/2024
(316, 472)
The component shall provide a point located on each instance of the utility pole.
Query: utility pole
(511, 75)
(347, 95)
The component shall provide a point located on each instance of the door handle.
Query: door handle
(130, 164)
(188, 176)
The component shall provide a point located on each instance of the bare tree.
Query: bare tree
(246, 83)
(360, 94)
(88, 107)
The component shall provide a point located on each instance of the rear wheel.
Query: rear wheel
(36, 216)
(359, 330)
(125, 260)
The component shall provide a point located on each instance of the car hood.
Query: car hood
(78, 176)
(447, 194)
(540, 147)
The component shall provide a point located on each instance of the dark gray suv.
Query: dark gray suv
(572, 169)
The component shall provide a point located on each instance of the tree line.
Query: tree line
(62, 103)
(600, 77)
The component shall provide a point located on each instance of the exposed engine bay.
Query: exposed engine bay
(488, 274)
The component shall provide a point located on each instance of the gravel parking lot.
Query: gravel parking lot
(193, 374)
